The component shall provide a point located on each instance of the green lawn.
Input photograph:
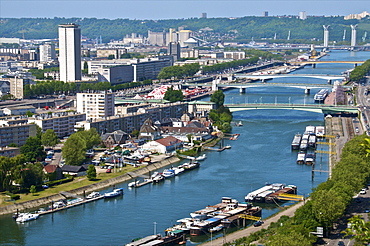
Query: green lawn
(76, 183)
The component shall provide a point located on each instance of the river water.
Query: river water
(261, 154)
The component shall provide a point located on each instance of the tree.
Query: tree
(218, 97)
(135, 133)
(33, 150)
(366, 145)
(33, 189)
(359, 230)
(49, 138)
(29, 113)
(74, 150)
(28, 174)
(91, 138)
(91, 172)
(173, 95)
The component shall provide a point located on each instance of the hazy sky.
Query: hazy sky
(154, 9)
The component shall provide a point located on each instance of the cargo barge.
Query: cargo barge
(321, 95)
(263, 194)
(274, 197)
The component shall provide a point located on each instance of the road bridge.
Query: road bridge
(318, 62)
(273, 76)
(243, 86)
(316, 108)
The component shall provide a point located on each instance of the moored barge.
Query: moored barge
(296, 141)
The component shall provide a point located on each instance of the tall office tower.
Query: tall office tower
(69, 52)
(326, 35)
(203, 15)
(47, 52)
(265, 13)
(353, 35)
(302, 15)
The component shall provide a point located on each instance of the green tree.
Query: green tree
(74, 150)
(91, 138)
(49, 138)
(33, 150)
(366, 145)
(173, 95)
(29, 113)
(135, 133)
(28, 174)
(33, 189)
(218, 98)
(91, 172)
(359, 230)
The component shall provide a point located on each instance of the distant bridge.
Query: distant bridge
(266, 76)
(316, 108)
(317, 62)
(243, 86)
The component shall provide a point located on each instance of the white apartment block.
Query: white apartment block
(62, 123)
(47, 52)
(70, 52)
(96, 105)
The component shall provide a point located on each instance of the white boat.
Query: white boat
(178, 170)
(301, 158)
(320, 131)
(114, 193)
(201, 157)
(157, 177)
(240, 123)
(93, 195)
(24, 217)
(133, 183)
(168, 173)
(227, 147)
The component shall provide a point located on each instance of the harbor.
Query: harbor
(253, 160)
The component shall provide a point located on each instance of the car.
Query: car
(367, 210)
(258, 223)
(357, 130)
(108, 171)
(341, 243)
(363, 192)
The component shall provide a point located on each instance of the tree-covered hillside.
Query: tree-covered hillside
(245, 27)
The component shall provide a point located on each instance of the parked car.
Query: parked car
(357, 130)
(341, 243)
(258, 223)
(367, 210)
(108, 171)
(363, 192)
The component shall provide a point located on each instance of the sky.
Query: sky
(176, 9)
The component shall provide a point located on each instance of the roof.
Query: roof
(118, 136)
(50, 168)
(168, 141)
(193, 130)
(20, 107)
(73, 169)
(195, 124)
(148, 126)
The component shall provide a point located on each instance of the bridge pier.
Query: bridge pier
(307, 91)
(242, 90)
(329, 81)
(355, 65)
(313, 65)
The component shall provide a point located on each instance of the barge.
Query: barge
(260, 194)
(320, 131)
(296, 141)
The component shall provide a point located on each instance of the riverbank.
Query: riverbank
(23, 206)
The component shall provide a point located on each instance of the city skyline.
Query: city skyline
(154, 9)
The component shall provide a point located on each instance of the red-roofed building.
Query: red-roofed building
(164, 145)
(54, 172)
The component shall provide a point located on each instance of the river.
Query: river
(261, 154)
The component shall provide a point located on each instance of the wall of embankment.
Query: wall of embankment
(23, 206)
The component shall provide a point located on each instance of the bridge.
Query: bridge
(316, 108)
(243, 86)
(318, 62)
(266, 77)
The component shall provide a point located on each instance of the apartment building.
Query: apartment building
(96, 105)
(62, 123)
(15, 131)
(134, 120)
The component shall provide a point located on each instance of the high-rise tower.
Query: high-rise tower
(69, 52)
(326, 36)
(353, 35)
